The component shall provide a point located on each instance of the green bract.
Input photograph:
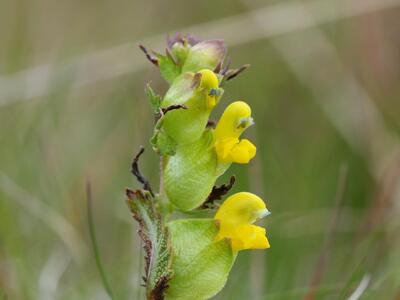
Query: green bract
(191, 173)
(200, 265)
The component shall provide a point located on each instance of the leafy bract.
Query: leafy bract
(181, 91)
(200, 265)
(169, 68)
(190, 174)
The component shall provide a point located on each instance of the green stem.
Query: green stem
(163, 161)
(166, 207)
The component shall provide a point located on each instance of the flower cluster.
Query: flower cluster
(195, 152)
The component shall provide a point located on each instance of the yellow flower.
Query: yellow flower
(209, 82)
(236, 217)
(235, 119)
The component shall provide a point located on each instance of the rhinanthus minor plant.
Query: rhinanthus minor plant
(190, 258)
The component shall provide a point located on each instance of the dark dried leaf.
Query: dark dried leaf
(227, 65)
(173, 107)
(218, 192)
(136, 172)
(150, 57)
(159, 290)
(230, 74)
(211, 124)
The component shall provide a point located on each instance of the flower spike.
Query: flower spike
(191, 258)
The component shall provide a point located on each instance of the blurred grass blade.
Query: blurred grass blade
(93, 240)
(323, 259)
(55, 222)
(361, 287)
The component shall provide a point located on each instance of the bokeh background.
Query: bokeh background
(324, 85)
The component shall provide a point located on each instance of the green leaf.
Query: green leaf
(155, 100)
(182, 90)
(200, 265)
(168, 67)
(162, 143)
(156, 242)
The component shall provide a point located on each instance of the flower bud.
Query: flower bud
(180, 45)
(205, 55)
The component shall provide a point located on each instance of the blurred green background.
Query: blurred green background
(324, 85)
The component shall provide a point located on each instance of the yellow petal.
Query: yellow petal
(209, 79)
(249, 237)
(243, 152)
(224, 147)
(232, 150)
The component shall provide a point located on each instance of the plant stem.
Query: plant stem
(162, 195)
